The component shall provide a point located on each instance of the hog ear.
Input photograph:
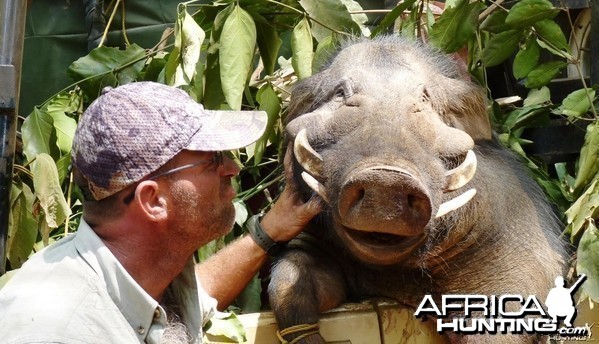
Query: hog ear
(463, 105)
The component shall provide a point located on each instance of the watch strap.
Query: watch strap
(260, 237)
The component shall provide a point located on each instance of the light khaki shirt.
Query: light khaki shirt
(76, 291)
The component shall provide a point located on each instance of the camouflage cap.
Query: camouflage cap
(134, 129)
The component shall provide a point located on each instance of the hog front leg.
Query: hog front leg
(301, 287)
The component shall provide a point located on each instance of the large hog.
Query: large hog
(420, 197)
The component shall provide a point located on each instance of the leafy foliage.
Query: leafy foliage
(247, 54)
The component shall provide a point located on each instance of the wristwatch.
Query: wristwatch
(257, 233)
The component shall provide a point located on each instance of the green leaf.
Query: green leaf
(455, 26)
(7, 276)
(213, 92)
(407, 28)
(65, 130)
(495, 22)
(450, 3)
(22, 227)
(183, 60)
(585, 207)
(391, 17)
(523, 117)
(537, 97)
(553, 191)
(105, 66)
(217, 28)
(332, 13)
(528, 12)
(323, 53)
(38, 134)
(210, 248)
(527, 58)
(65, 102)
(302, 48)
(430, 17)
(550, 32)
(237, 42)
(588, 168)
(173, 74)
(515, 144)
(500, 47)
(270, 103)
(241, 212)
(155, 67)
(63, 165)
(355, 9)
(269, 43)
(196, 88)
(543, 74)
(249, 299)
(48, 191)
(577, 103)
(192, 37)
(49, 128)
(225, 328)
(588, 260)
(552, 50)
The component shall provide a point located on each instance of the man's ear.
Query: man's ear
(151, 200)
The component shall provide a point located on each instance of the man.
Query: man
(149, 161)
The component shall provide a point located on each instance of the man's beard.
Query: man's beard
(214, 220)
(175, 331)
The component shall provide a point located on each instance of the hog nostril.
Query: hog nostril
(411, 201)
(417, 206)
(415, 203)
(360, 195)
(356, 196)
(351, 199)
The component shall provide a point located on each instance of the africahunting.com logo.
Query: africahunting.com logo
(509, 314)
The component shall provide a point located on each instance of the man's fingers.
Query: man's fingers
(288, 165)
(313, 206)
(288, 162)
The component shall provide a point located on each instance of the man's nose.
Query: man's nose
(229, 167)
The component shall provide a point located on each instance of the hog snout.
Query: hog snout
(384, 199)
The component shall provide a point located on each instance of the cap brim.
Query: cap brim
(229, 130)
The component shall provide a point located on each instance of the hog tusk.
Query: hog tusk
(455, 203)
(461, 175)
(307, 157)
(316, 186)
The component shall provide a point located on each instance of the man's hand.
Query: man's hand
(289, 215)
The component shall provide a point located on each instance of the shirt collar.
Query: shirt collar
(136, 305)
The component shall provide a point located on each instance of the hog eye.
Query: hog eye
(343, 90)
(424, 95)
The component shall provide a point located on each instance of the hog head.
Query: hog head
(420, 199)
(385, 145)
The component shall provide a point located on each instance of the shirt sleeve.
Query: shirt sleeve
(207, 304)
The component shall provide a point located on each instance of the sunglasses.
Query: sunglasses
(217, 159)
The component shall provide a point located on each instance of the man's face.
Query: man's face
(202, 198)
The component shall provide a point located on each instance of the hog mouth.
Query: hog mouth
(380, 248)
(378, 238)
